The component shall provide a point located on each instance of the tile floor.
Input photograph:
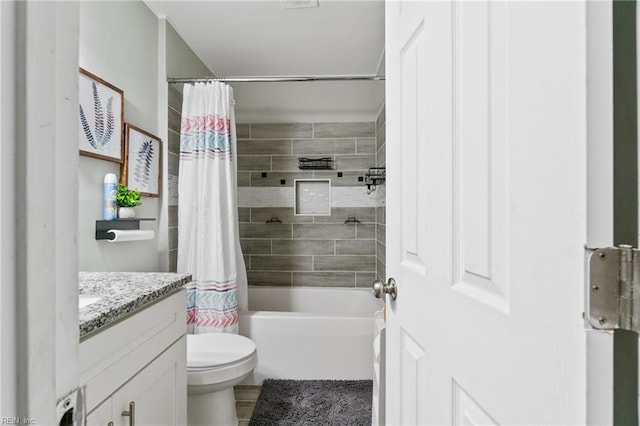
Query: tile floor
(246, 397)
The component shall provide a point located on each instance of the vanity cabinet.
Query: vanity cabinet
(152, 390)
(139, 360)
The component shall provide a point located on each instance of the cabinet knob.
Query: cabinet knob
(131, 413)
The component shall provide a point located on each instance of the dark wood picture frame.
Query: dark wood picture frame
(100, 117)
(142, 167)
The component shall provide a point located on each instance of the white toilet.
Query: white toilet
(215, 363)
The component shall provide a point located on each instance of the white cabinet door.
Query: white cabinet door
(102, 414)
(486, 212)
(159, 391)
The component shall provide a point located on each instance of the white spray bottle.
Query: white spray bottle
(109, 189)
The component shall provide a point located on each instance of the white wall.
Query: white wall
(126, 44)
(301, 102)
(119, 43)
(181, 60)
(307, 101)
(379, 98)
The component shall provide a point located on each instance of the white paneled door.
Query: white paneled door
(486, 212)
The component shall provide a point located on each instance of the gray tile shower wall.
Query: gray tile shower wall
(174, 113)
(381, 209)
(302, 250)
(315, 250)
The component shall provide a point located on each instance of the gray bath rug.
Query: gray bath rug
(313, 402)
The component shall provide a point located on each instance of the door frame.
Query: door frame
(39, 187)
(612, 199)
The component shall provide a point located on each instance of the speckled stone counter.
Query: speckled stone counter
(121, 294)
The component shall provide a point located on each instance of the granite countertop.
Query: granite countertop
(121, 294)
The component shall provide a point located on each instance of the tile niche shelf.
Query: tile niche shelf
(312, 197)
(103, 226)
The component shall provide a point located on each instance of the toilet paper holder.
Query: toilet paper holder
(103, 226)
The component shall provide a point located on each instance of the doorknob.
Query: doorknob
(379, 289)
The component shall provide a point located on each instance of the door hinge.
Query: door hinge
(613, 293)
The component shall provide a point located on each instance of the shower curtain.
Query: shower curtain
(208, 237)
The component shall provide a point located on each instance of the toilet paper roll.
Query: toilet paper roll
(120, 235)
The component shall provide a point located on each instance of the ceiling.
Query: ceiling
(260, 38)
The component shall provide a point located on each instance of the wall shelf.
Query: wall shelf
(375, 176)
(324, 163)
(103, 226)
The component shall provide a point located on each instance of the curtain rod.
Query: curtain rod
(172, 80)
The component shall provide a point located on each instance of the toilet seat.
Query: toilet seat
(215, 358)
(211, 350)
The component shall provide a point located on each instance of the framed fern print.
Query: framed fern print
(141, 168)
(101, 118)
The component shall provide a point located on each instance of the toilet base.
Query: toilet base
(212, 409)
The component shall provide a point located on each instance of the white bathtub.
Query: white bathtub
(311, 333)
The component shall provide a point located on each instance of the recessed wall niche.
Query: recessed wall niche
(312, 197)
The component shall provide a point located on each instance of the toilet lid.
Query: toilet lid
(216, 349)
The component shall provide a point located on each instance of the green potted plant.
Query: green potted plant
(127, 199)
